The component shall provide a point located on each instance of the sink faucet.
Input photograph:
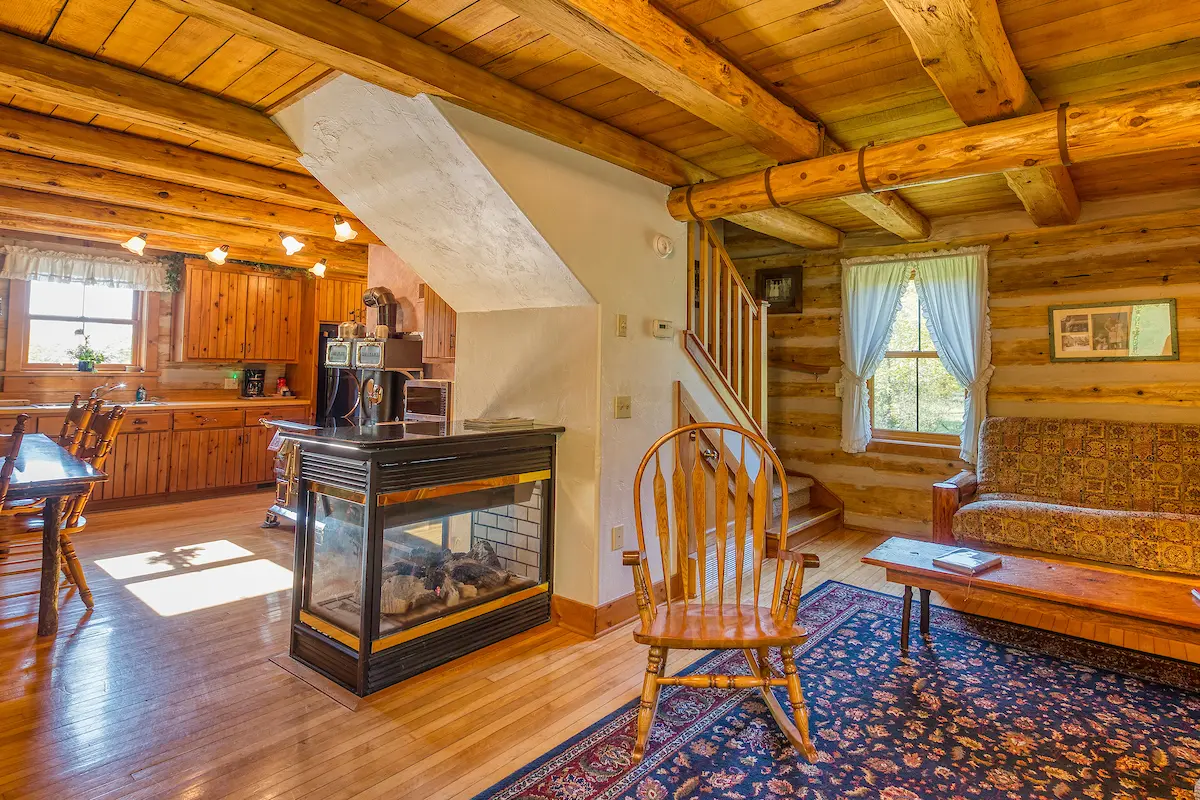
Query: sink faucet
(104, 389)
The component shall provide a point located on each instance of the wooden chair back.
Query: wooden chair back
(97, 445)
(741, 467)
(12, 449)
(75, 426)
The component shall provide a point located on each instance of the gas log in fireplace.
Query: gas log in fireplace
(418, 543)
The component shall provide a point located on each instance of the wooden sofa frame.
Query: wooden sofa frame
(948, 497)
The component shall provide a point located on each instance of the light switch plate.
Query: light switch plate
(622, 325)
(623, 406)
(618, 537)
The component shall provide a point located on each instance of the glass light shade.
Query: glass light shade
(318, 268)
(291, 244)
(136, 244)
(217, 254)
(342, 232)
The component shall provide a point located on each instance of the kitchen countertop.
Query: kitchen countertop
(400, 434)
(163, 405)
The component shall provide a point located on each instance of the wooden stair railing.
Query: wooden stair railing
(726, 329)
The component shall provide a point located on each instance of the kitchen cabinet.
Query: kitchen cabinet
(230, 316)
(140, 465)
(258, 463)
(338, 298)
(440, 326)
(206, 458)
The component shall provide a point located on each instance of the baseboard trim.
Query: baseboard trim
(594, 621)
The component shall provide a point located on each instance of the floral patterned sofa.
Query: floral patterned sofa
(1116, 492)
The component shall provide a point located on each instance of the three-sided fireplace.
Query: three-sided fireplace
(420, 550)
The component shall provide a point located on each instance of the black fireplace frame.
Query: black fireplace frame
(368, 474)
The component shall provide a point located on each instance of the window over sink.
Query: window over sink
(63, 316)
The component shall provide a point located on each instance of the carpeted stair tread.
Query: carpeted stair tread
(801, 518)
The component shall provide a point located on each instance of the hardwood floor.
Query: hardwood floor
(129, 703)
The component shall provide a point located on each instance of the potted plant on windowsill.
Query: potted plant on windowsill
(86, 357)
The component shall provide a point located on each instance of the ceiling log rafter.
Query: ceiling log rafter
(963, 47)
(36, 174)
(1147, 122)
(650, 47)
(123, 221)
(373, 52)
(57, 76)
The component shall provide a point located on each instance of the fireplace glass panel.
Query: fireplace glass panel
(449, 553)
(335, 594)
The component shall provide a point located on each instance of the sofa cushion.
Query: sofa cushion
(1145, 466)
(1150, 540)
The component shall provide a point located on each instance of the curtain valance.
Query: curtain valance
(30, 264)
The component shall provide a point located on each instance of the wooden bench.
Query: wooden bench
(1157, 604)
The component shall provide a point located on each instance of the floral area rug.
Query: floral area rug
(983, 709)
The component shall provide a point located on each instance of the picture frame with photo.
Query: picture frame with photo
(783, 288)
(1142, 330)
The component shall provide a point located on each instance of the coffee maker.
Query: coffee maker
(253, 382)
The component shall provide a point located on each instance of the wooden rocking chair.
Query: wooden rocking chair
(695, 620)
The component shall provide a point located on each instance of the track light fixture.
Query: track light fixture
(342, 232)
(318, 268)
(136, 244)
(218, 254)
(291, 244)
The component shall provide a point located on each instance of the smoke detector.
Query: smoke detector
(663, 245)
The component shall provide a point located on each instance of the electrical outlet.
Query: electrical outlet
(837, 389)
(623, 406)
(622, 325)
(618, 537)
(231, 383)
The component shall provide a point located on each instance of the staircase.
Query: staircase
(726, 338)
(726, 334)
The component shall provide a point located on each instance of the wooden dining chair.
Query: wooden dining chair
(96, 446)
(75, 424)
(705, 616)
(10, 445)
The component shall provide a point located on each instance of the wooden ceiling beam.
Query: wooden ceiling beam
(57, 76)
(373, 52)
(650, 47)
(963, 47)
(16, 224)
(1154, 121)
(36, 174)
(160, 243)
(61, 139)
(206, 234)
(634, 39)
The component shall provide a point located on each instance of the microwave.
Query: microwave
(338, 353)
(387, 353)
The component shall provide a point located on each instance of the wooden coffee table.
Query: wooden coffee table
(1157, 604)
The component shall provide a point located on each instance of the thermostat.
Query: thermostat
(662, 328)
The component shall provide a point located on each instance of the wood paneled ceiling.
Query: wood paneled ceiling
(847, 64)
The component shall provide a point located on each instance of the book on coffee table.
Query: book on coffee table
(965, 561)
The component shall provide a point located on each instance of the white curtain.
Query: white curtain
(870, 301)
(29, 264)
(953, 291)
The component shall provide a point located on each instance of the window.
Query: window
(913, 397)
(60, 315)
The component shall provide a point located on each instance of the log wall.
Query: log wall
(1138, 259)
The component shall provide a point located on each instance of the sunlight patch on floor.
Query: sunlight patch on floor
(154, 562)
(206, 588)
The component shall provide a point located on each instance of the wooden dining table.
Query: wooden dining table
(46, 469)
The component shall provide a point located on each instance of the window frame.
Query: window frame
(915, 437)
(145, 331)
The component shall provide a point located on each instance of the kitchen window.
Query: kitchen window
(61, 316)
(913, 397)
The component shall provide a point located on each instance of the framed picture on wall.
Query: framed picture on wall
(783, 288)
(1144, 330)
